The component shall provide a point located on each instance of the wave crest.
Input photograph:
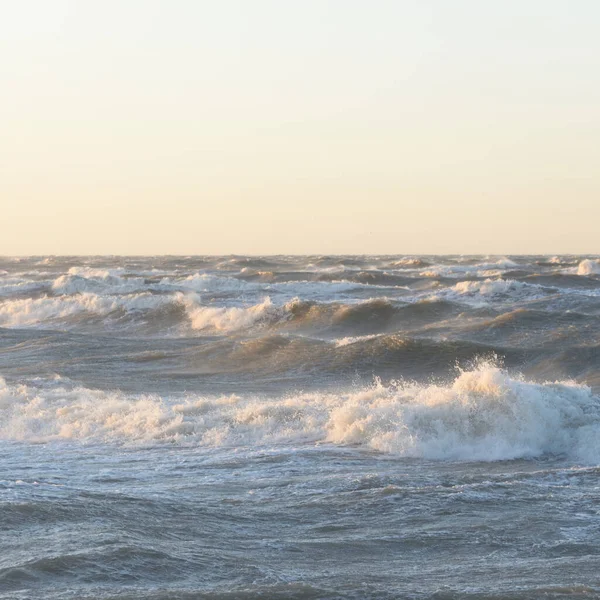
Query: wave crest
(229, 319)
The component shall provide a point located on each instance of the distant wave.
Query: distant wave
(194, 314)
(588, 267)
(324, 297)
(493, 291)
(409, 262)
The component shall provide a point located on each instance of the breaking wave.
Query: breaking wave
(228, 319)
(145, 307)
(588, 267)
(483, 414)
(49, 311)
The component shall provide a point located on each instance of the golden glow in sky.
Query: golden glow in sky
(313, 126)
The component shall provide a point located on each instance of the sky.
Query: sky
(299, 126)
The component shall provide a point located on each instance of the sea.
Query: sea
(310, 427)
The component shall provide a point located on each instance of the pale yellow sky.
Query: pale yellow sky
(313, 126)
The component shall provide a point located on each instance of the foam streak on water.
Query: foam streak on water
(299, 427)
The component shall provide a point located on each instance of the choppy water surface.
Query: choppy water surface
(300, 427)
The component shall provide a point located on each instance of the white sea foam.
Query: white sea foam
(484, 414)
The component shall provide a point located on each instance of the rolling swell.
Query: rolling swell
(241, 363)
(530, 327)
(381, 355)
(367, 317)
